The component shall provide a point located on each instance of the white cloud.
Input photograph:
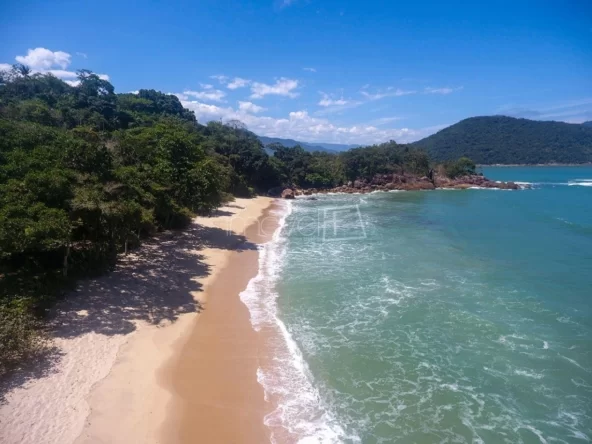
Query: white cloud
(327, 100)
(43, 59)
(65, 75)
(389, 92)
(443, 91)
(298, 115)
(336, 109)
(59, 73)
(211, 95)
(300, 125)
(310, 69)
(206, 86)
(5, 67)
(220, 78)
(250, 107)
(282, 87)
(385, 120)
(238, 83)
(82, 54)
(235, 83)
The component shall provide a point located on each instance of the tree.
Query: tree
(462, 167)
(21, 70)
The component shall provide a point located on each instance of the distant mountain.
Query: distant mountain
(308, 146)
(507, 140)
(588, 123)
(335, 146)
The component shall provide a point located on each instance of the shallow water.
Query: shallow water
(441, 316)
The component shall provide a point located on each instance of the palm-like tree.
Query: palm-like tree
(21, 70)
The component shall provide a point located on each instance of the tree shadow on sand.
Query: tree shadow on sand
(43, 365)
(153, 284)
(217, 213)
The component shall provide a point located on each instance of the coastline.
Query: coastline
(104, 381)
(213, 373)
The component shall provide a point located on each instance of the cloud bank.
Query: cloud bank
(299, 125)
(45, 61)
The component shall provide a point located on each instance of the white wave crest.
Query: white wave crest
(299, 414)
(528, 374)
(580, 183)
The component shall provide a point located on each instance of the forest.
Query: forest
(86, 174)
(506, 140)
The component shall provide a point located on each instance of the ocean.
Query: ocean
(448, 316)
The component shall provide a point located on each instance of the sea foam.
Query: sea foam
(299, 414)
(580, 183)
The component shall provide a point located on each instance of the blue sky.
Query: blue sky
(324, 71)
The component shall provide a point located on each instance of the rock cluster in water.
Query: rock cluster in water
(403, 182)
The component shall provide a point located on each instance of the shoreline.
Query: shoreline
(213, 373)
(114, 334)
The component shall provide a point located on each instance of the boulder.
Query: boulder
(288, 193)
(508, 186)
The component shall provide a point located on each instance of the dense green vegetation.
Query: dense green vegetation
(86, 174)
(506, 140)
(461, 167)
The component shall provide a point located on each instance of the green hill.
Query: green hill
(507, 140)
(308, 146)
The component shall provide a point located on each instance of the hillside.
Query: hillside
(507, 140)
(308, 146)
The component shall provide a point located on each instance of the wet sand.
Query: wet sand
(217, 398)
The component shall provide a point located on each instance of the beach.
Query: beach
(159, 350)
(213, 375)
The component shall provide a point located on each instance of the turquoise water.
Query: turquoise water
(435, 317)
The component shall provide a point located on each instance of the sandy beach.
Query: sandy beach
(159, 350)
(213, 376)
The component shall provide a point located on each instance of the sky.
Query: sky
(355, 72)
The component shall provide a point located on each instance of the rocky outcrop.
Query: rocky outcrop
(404, 182)
(288, 193)
(473, 181)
